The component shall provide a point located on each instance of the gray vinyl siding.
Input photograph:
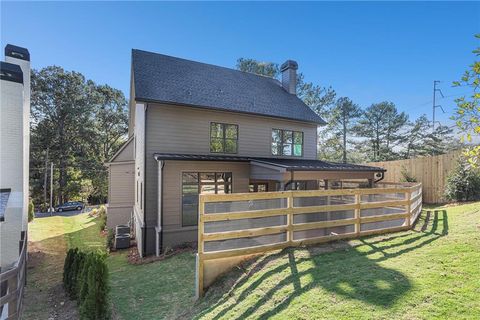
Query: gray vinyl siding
(121, 184)
(126, 153)
(178, 129)
(174, 233)
(187, 130)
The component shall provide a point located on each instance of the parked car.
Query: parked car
(71, 205)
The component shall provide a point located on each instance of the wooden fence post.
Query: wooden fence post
(200, 251)
(409, 206)
(12, 304)
(357, 213)
(290, 218)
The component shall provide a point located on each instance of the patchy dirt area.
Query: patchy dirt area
(44, 294)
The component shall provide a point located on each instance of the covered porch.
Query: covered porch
(300, 174)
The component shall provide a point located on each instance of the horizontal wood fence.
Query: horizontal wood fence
(430, 171)
(12, 283)
(242, 224)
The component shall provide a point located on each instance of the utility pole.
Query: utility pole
(45, 180)
(51, 188)
(344, 135)
(435, 106)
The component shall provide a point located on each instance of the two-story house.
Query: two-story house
(198, 128)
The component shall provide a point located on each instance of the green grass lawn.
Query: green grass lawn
(431, 272)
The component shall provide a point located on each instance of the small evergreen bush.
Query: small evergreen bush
(110, 238)
(31, 211)
(407, 176)
(85, 278)
(463, 182)
(67, 268)
(94, 302)
(102, 214)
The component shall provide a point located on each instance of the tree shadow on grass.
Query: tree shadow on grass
(352, 273)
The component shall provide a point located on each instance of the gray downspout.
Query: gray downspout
(381, 178)
(161, 212)
(144, 249)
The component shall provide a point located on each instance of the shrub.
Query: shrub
(110, 238)
(102, 214)
(94, 302)
(406, 176)
(85, 278)
(67, 269)
(463, 182)
(31, 211)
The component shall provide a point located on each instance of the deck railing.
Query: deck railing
(238, 225)
(12, 282)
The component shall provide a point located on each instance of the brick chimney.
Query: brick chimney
(289, 76)
(19, 57)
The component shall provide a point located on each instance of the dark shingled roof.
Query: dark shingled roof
(166, 79)
(11, 72)
(288, 164)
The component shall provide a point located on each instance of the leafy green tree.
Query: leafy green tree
(61, 110)
(463, 182)
(316, 97)
(383, 128)
(268, 69)
(82, 125)
(343, 118)
(420, 141)
(467, 113)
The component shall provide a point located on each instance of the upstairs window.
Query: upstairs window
(223, 138)
(287, 143)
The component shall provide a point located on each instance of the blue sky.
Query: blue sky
(370, 52)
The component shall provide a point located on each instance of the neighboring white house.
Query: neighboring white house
(14, 154)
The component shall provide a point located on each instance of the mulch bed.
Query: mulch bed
(135, 259)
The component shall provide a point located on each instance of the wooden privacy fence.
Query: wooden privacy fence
(12, 283)
(233, 227)
(430, 171)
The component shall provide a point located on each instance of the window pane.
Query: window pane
(228, 176)
(297, 150)
(231, 131)
(189, 198)
(287, 136)
(276, 136)
(251, 188)
(275, 149)
(287, 150)
(190, 215)
(190, 177)
(190, 189)
(262, 187)
(220, 177)
(207, 189)
(216, 130)
(216, 145)
(207, 177)
(297, 137)
(230, 146)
